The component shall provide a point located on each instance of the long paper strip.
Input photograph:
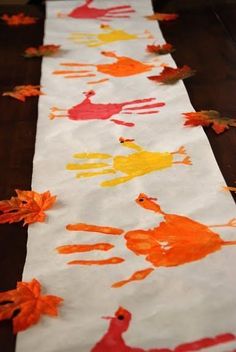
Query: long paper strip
(104, 197)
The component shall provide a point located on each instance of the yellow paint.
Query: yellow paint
(138, 163)
(86, 166)
(109, 35)
(91, 156)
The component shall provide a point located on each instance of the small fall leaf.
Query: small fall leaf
(27, 302)
(209, 118)
(18, 19)
(160, 49)
(157, 16)
(229, 189)
(171, 75)
(42, 50)
(28, 206)
(21, 92)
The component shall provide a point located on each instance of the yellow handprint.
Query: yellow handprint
(109, 35)
(138, 163)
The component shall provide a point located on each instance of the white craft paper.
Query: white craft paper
(172, 305)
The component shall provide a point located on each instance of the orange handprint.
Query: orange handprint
(123, 67)
(177, 240)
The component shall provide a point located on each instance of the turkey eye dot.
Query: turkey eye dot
(120, 317)
(141, 199)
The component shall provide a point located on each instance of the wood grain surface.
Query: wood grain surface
(204, 38)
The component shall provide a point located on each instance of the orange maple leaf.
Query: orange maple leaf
(26, 300)
(21, 92)
(209, 118)
(160, 49)
(18, 19)
(231, 189)
(42, 50)
(157, 16)
(28, 206)
(171, 75)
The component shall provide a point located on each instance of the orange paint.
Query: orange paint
(123, 67)
(177, 240)
(93, 228)
(99, 81)
(138, 275)
(109, 261)
(77, 248)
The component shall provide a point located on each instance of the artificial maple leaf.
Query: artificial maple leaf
(157, 16)
(21, 92)
(171, 75)
(18, 19)
(209, 118)
(231, 189)
(28, 206)
(42, 50)
(160, 49)
(26, 300)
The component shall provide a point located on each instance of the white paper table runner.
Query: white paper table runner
(172, 305)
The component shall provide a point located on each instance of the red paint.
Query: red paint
(127, 124)
(87, 110)
(113, 340)
(85, 11)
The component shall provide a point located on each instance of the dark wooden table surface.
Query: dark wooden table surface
(204, 37)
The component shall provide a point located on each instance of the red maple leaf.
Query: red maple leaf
(171, 75)
(160, 49)
(18, 19)
(28, 206)
(27, 302)
(209, 118)
(42, 50)
(21, 92)
(157, 16)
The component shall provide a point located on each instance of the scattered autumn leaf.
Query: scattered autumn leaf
(209, 118)
(18, 19)
(231, 189)
(171, 75)
(157, 16)
(21, 92)
(160, 49)
(28, 206)
(28, 304)
(42, 50)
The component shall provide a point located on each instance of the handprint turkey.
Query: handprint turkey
(87, 110)
(136, 164)
(87, 12)
(123, 67)
(113, 340)
(177, 240)
(108, 35)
